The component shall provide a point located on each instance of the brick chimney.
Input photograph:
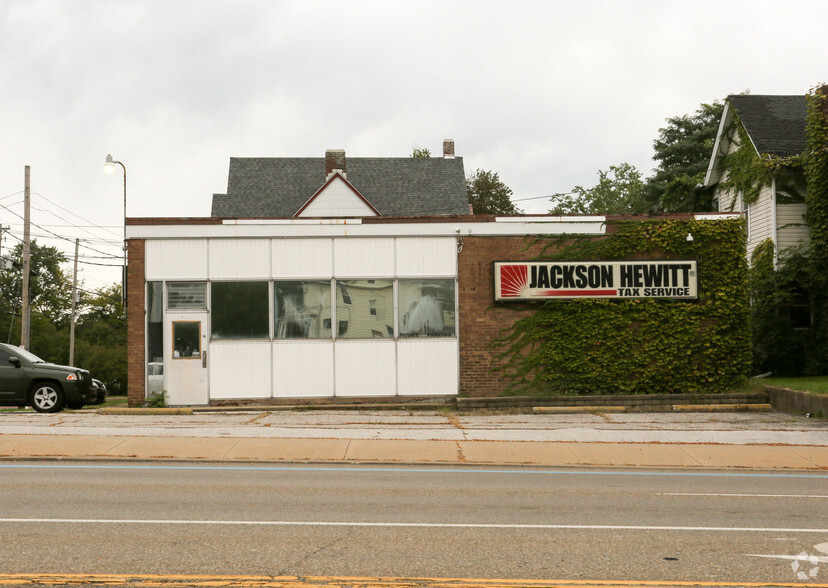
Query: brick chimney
(448, 149)
(334, 161)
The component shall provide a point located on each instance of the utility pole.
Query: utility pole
(74, 299)
(25, 328)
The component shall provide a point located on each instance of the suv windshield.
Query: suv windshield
(26, 355)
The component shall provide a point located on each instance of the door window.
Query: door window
(186, 339)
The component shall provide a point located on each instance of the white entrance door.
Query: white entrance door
(186, 359)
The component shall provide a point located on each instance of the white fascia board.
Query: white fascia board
(550, 218)
(723, 124)
(299, 230)
(724, 216)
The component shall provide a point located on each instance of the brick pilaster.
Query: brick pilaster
(136, 323)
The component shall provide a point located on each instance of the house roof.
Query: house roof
(775, 124)
(263, 187)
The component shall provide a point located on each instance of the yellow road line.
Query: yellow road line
(173, 581)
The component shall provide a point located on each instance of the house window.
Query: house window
(302, 310)
(426, 308)
(366, 309)
(799, 311)
(239, 310)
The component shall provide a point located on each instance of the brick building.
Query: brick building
(323, 279)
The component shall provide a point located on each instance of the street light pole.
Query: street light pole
(109, 167)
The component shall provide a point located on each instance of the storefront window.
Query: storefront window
(426, 308)
(239, 310)
(187, 296)
(155, 338)
(302, 309)
(365, 309)
(186, 339)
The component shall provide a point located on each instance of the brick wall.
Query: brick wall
(136, 323)
(481, 320)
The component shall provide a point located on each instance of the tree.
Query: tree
(489, 195)
(49, 301)
(420, 151)
(100, 338)
(620, 190)
(682, 151)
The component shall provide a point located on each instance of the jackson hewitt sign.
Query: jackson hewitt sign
(595, 279)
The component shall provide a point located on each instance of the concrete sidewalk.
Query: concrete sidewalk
(729, 440)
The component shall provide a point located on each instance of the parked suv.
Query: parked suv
(25, 379)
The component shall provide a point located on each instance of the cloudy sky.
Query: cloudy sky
(545, 93)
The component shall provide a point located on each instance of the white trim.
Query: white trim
(711, 166)
(580, 225)
(719, 216)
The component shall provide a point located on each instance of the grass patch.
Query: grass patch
(816, 385)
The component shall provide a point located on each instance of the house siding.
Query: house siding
(792, 230)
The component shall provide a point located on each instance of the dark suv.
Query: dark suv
(25, 379)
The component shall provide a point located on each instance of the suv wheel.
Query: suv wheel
(47, 397)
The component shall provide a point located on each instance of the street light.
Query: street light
(109, 167)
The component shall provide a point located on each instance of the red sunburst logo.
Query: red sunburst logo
(514, 279)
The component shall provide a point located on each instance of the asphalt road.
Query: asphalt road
(102, 518)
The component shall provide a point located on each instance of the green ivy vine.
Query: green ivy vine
(637, 346)
(748, 172)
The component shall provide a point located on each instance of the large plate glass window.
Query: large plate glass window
(187, 296)
(302, 310)
(239, 310)
(365, 309)
(427, 308)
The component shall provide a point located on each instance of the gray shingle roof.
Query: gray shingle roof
(776, 124)
(396, 186)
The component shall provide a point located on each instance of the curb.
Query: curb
(145, 411)
(755, 407)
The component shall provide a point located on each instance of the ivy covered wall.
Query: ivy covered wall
(636, 346)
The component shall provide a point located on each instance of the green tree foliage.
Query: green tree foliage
(100, 334)
(682, 150)
(620, 190)
(489, 195)
(100, 338)
(420, 151)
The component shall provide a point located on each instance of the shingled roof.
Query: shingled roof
(260, 187)
(776, 124)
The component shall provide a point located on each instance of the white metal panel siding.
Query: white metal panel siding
(365, 368)
(303, 369)
(426, 256)
(791, 227)
(239, 369)
(337, 200)
(302, 258)
(427, 367)
(760, 217)
(239, 259)
(176, 259)
(364, 258)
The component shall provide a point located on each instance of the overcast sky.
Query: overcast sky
(545, 93)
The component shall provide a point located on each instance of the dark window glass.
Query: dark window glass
(239, 310)
(186, 339)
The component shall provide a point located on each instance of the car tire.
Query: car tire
(47, 397)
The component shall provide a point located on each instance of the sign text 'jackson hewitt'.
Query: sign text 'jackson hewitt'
(595, 279)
